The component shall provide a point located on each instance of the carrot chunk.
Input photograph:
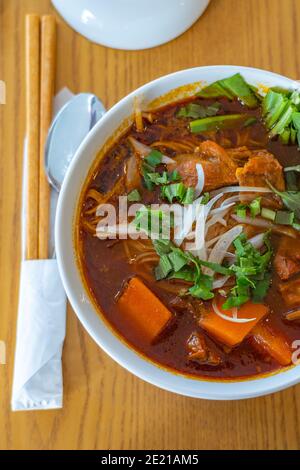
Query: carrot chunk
(143, 309)
(229, 333)
(272, 342)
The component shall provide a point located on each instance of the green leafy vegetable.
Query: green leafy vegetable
(294, 135)
(173, 191)
(281, 114)
(147, 181)
(162, 247)
(164, 268)
(251, 271)
(174, 176)
(261, 288)
(296, 120)
(189, 196)
(215, 90)
(231, 87)
(184, 266)
(151, 176)
(134, 196)
(291, 199)
(255, 207)
(185, 274)
(154, 158)
(177, 259)
(241, 211)
(295, 168)
(195, 111)
(284, 218)
(291, 177)
(151, 161)
(205, 199)
(250, 121)
(203, 288)
(296, 226)
(179, 192)
(227, 121)
(157, 178)
(273, 107)
(284, 121)
(216, 267)
(268, 214)
(291, 181)
(152, 221)
(285, 136)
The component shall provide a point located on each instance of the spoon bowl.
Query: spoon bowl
(70, 126)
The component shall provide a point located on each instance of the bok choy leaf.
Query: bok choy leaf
(231, 88)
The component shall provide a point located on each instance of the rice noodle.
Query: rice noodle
(167, 160)
(219, 283)
(138, 114)
(216, 219)
(200, 233)
(211, 242)
(201, 180)
(258, 240)
(202, 212)
(140, 148)
(234, 318)
(222, 208)
(241, 189)
(220, 249)
(211, 203)
(144, 150)
(217, 216)
(189, 217)
(234, 199)
(179, 147)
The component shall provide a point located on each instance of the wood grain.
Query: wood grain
(105, 407)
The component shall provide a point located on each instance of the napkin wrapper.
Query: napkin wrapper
(41, 326)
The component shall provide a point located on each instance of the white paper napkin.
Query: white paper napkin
(40, 336)
(38, 382)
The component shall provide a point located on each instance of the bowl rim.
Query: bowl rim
(86, 311)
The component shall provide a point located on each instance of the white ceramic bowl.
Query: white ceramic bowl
(122, 23)
(67, 206)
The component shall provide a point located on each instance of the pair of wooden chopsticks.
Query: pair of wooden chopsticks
(40, 79)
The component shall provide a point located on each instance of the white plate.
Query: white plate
(130, 24)
(64, 242)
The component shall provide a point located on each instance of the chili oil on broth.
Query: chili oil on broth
(106, 268)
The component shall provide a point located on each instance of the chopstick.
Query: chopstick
(32, 28)
(48, 63)
(40, 79)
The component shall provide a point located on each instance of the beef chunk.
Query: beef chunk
(290, 292)
(218, 167)
(287, 259)
(240, 155)
(198, 351)
(261, 167)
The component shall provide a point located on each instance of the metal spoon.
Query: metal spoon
(70, 126)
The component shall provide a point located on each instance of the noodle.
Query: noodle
(173, 145)
(138, 115)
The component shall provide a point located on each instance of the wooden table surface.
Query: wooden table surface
(106, 407)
